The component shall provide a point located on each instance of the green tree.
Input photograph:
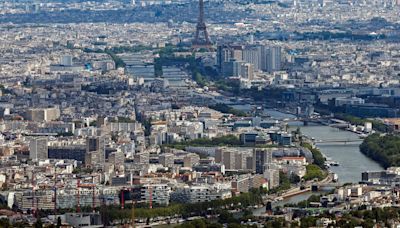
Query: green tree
(294, 179)
(38, 223)
(319, 159)
(314, 172)
(59, 222)
(5, 223)
(383, 149)
(308, 221)
(275, 223)
(234, 225)
(227, 109)
(226, 217)
(227, 140)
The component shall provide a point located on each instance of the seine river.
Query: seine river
(351, 161)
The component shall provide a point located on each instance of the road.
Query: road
(297, 190)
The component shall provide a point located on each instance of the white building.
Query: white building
(38, 149)
(340, 101)
(158, 193)
(202, 193)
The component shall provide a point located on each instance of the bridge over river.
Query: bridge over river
(324, 120)
(338, 141)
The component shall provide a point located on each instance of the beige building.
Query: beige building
(38, 148)
(43, 114)
(190, 160)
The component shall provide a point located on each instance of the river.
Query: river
(351, 161)
(290, 200)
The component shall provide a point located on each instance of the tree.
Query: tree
(93, 123)
(308, 221)
(347, 221)
(234, 225)
(294, 179)
(319, 159)
(5, 223)
(59, 222)
(147, 126)
(38, 223)
(199, 223)
(227, 109)
(314, 172)
(383, 149)
(276, 223)
(368, 223)
(4, 187)
(227, 140)
(226, 217)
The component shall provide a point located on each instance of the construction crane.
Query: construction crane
(133, 207)
(150, 197)
(93, 195)
(55, 190)
(133, 214)
(78, 206)
(34, 209)
(55, 187)
(122, 199)
(90, 186)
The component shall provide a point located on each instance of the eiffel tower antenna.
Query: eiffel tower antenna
(201, 29)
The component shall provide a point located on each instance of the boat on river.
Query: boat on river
(329, 162)
(335, 177)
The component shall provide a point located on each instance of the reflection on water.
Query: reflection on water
(351, 161)
(277, 114)
(291, 200)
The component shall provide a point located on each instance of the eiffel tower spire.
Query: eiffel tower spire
(201, 30)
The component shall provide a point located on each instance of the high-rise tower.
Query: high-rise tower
(201, 28)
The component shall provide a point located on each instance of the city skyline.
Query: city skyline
(192, 113)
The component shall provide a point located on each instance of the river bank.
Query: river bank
(348, 155)
(351, 162)
(384, 149)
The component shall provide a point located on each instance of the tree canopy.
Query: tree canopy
(383, 149)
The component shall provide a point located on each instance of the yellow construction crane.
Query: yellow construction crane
(133, 214)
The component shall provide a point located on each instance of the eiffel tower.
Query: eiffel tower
(201, 29)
